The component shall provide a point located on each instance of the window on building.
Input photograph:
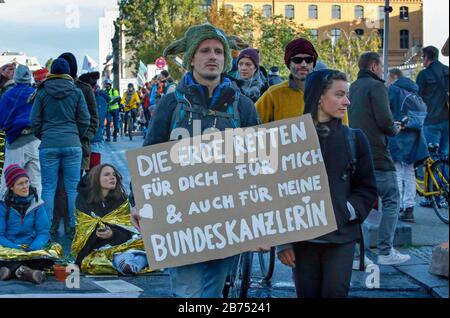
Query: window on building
(248, 8)
(313, 12)
(359, 32)
(267, 11)
(314, 33)
(404, 13)
(336, 12)
(228, 7)
(381, 35)
(335, 35)
(404, 39)
(289, 11)
(359, 12)
(380, 12)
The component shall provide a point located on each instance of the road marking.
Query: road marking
(118, 286)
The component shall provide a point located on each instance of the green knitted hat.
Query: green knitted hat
(197, 34)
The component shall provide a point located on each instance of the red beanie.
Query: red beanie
(299, 46)
(13, 173)
(40, 75)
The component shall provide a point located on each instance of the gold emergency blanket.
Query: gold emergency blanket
(99, 261)
(54, 251)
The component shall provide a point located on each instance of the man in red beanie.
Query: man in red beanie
(285, 100)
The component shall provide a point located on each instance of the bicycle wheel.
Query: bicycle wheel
(440, 183)
(267, 264)
(239, 278)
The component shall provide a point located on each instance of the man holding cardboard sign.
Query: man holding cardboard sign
(206, 98)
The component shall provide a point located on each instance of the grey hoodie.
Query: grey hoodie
(59, 116)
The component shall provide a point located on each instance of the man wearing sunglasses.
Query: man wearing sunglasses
(285, 100)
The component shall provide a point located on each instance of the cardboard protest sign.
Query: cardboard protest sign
(220, 194)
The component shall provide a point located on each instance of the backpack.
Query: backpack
(414, 108)
(184, 106)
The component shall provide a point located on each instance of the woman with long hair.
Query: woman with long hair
(25, 248)
(323, 267)
(105, 241)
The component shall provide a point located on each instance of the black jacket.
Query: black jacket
(369, 111)
(433, 93)
(360, 190)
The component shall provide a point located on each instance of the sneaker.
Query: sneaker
(393, 258)
(367, 262)
(107, 139)
(115, 139)
(426, 203)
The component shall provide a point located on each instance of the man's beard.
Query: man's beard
(299, 77)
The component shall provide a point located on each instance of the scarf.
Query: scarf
(129, 95)
(188, 80)
(20, 203)
(253, 86)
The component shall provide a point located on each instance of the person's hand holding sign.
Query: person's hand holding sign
(135, 218)
(287, 257)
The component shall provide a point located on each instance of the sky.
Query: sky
(47, 28)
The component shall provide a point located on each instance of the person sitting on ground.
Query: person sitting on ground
(25, 251)
(105, 240)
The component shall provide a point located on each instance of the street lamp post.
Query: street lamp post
(387, 10)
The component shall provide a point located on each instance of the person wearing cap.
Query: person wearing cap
(274, 77)
(250, 79)
(40, 76)
(60, 119)
(207, 56)
(285, 100)
(322, 267)
(25, 248)
(22, 146)
(130, 101)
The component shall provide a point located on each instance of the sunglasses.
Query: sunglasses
(299, 60)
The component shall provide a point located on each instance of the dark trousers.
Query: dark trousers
(39, 264)
(147, 116)
(114, 117)
(323, 270)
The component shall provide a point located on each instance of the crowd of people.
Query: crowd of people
(56, 129)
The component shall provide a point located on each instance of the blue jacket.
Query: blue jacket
(32, 230)
(59, 117)
(15, 111)
(102, 100)
(433, 93)
(160, 125)
(409, 146)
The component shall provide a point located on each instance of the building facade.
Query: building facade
(338, 18)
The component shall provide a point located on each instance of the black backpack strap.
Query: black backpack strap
(362, 250)
(350, 138)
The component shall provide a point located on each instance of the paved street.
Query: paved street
(409, 280)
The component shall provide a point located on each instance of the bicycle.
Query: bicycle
(239, 280)
(130, 117)
(434, 184)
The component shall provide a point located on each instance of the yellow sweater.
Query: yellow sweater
(132, 104)
(281, 102)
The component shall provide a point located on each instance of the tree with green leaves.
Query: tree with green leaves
(150, 26)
